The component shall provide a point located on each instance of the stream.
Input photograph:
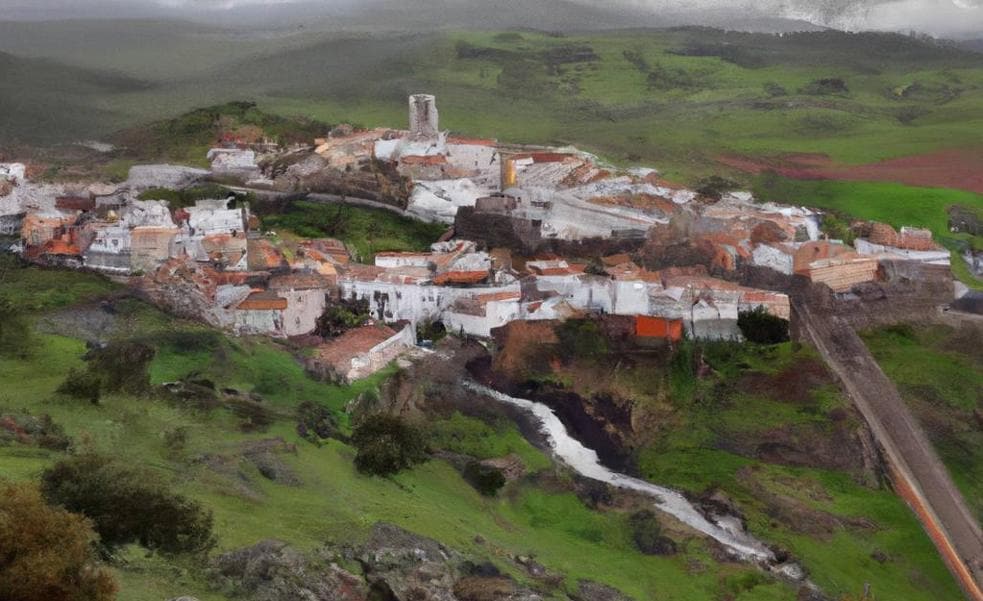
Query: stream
(727, 530)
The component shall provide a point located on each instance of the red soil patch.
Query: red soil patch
(958, 169)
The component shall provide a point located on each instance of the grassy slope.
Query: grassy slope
(940, 374)
(688, 454)
(334, 503)
(699, 434)
(366, 230)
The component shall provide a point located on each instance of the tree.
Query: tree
(486, 479)
(46, 553)
(647, 534)
(580, 338)
(315, 422)
(82, 384)
(386, 445)
(762, 327)
(128, 506)
(341, 316)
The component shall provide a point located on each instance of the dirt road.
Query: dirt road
(915, 469)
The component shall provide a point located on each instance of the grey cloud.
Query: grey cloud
(942, 17)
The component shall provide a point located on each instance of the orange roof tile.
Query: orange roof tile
(266, 300)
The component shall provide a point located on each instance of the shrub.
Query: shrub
(46, 553)
(486, 479)
(636, 58)
(175, 440)
(315, 422)
(123, 366)
(715, 186)
(826, 87)
(15, 331)
(434, 331)
(82, 384)
(581, 338)
(128, 506)
(761, 327)
(341, 316)
(661, 77)
(256, 417)
(647, 534)
(775, 90)
(386, 445)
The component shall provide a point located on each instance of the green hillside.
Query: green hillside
(676, 99)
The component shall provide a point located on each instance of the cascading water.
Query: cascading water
(586, 463)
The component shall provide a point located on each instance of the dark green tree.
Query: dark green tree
(387, 444)
(128, 505)
(762, 327)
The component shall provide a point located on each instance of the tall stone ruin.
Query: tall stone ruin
(424, 121)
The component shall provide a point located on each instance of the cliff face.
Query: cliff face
(625, 400)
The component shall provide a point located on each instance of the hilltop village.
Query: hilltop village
(533, 234)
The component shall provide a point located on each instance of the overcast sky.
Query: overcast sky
(941, 17)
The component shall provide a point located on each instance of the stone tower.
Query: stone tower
(424, 121)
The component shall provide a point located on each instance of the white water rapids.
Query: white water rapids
(727, 530)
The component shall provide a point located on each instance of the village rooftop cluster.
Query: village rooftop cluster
(518, 219)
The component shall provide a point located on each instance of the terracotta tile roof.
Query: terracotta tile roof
(74, 203)
(341, 350)
(265, 300)
(299, 281)
(460, 277)
(60, 247)
(492, 297)
(616, 260)
(437, 159)
(363, 273)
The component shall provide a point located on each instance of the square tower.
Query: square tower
(424, 121)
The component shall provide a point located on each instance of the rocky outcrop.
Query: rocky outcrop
(396, 565)
(272, 571)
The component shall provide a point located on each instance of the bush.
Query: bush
(665, 78)
(486, 479)
(386, 445)
(714, 187)
(341, 316)
(581, 338)
(82, 384)
(15, 331)
(123, 366)
(176, 440)
(647, 534)
(46, 553)
(434, 331)
(761, 327)
(826, 87)
(775, 90)
(128, 506)
(315, 422)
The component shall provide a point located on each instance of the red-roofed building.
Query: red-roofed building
(360, 352)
